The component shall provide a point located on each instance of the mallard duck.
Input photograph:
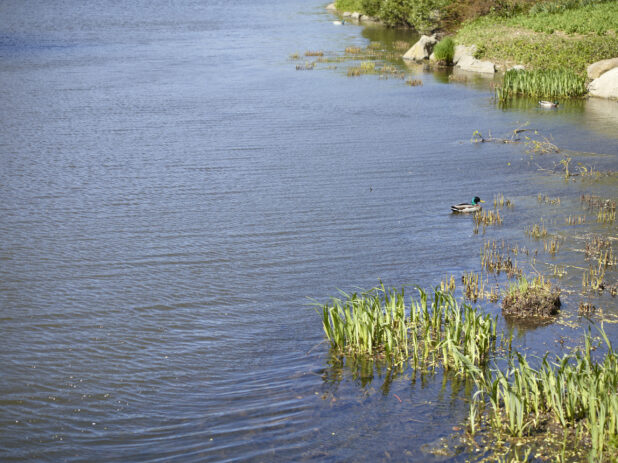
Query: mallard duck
(548, 104)
(474, 206)
(339, 23)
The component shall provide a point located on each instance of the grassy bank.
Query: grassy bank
(571, 39)
(547, 35)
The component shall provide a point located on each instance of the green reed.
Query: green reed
(574, 392)
(570, 395)
(431, 331)
(550, 83)
(497, 260)
(372, 322)
(536, 231)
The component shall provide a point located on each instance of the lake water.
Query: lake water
(173, 194)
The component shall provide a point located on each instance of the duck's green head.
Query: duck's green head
(477, 200)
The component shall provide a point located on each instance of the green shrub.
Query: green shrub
(445, 50)
(395, 12)
(425, 15)
(371, 7)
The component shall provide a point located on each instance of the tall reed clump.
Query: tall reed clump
(444, 51)
(572, 397)
(443, 332)
(573, 393)
(372, 322)
(550, 83)
(436, 332)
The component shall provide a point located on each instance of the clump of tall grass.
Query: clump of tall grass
(600, 249)
(536, 231)
(605, 208)
(371, 322)
(414, 82)
(574, 394)
(544, 199)
(429, 332)
(401, 45)
(448, 284)
(551, 83)
(366, 67)
(314, 53)
(444, 51)
(485, 219)
(305, 67)
(497, 260)
(594, 278)
(500, 201)
(571, 397)
(552, 245)
(473, 286)
(575, 220)
(444, 332)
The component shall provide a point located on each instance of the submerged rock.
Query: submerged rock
(605, 86)
(595, 70)
(422, 49)
(471, 64)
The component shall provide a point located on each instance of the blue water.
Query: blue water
(172, 194)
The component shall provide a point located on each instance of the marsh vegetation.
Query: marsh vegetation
(520, 405)
(551, 83)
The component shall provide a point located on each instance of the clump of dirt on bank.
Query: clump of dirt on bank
(534, 299)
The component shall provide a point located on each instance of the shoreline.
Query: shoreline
(490, 45)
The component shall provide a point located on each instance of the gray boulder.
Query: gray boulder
(595, 70)
(331, 7)
(463, 50)
(605, 86)
(471, 64)
(422, 49)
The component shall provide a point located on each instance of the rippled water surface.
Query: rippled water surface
(173, 192)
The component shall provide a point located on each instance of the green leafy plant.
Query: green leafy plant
(445, 50)
(371, 7)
